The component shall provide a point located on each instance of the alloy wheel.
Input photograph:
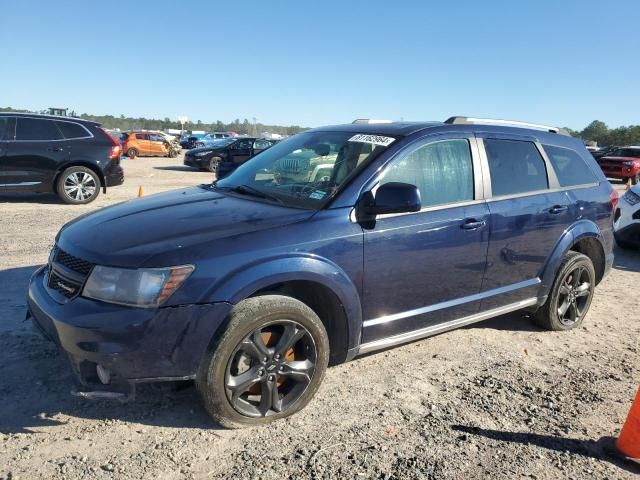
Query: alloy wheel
(80, 186)
(270, 369)
(574, 295)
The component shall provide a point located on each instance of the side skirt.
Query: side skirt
(443, 327)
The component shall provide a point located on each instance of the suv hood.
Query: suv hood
(165, 225)
(620, 159)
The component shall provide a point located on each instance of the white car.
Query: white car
(626, 226)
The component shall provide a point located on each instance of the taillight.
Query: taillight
(614, 196)
(116, 149)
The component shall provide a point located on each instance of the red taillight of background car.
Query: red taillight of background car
(116, 150)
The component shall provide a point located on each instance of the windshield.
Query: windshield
(306, 170)
(626, 152)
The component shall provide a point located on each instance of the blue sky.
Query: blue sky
(313, 63)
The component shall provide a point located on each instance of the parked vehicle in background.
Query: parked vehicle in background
(224, 155)
(68, 156)
(627, 219)
(602, 151)
(141, 143)
(622, 163)
(191, 140)
(254, 284)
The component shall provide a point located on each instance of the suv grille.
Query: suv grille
(67, 273)
(73, 263)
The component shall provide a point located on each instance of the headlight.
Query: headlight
(144, 287)
(202, 154)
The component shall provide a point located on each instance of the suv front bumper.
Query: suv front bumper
(133, 344)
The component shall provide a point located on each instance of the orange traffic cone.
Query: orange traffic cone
(140, 191)
(629, 440)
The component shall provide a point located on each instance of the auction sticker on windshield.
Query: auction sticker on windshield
(373, 139)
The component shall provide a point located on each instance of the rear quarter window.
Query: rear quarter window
(571, 169)
(72, 130)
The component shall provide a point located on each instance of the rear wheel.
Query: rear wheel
(78, 185)
(267, 365)
(571, 294)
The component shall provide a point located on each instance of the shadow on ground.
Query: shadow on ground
(601, 449)
(626, 260)
(24, 197)
(178, 168)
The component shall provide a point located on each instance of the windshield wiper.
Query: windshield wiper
(254, 192)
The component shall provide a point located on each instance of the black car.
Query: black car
(225, 155)
(71, 157)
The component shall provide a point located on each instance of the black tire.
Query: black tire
(213, 164)
(635, 179)
(249, 321)
(132, 153)
(570, 295)
(78, 185)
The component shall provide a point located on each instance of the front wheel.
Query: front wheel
(78, 185)
(267, 364)
(571, 294)
(635, 179)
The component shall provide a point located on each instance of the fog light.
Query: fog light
(104, 374)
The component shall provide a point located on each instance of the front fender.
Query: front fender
(252, 278)
(575, 233)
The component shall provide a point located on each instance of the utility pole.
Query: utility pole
(255, 128)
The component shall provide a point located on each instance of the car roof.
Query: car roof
(50, 117)
(403, 129)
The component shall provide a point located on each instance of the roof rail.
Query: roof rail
(507, 123)
(371, 121)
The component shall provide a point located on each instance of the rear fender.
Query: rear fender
(575, 233)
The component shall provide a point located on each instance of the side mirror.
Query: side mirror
(392, 197)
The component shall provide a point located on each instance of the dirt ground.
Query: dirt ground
(500, 399)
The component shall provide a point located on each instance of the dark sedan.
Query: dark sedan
(226, 155)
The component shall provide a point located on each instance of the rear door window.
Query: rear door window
(72, 130)
(7, 128)
(37, 129)
(515, 167)
(570, 168)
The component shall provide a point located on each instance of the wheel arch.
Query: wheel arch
(81, 163)
(584, 237)
(318, 283)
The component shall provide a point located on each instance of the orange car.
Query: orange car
(147, 144)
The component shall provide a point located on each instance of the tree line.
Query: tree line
(142, 123)
(598, 131)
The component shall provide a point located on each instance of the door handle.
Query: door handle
(556, 209)
(472, 224)
(55, 149)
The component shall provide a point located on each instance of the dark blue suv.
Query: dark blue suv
(333, 243)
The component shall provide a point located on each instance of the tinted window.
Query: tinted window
(570, 168)
(515, 167)
(242, 144)
(37, 129)
(625, 152)
(442, 171)
(261, 144)
(7, 128)
(72, 130)
(142, 136)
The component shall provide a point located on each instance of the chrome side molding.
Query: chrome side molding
(443, 327)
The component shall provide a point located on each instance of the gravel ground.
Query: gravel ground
(500, 399)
